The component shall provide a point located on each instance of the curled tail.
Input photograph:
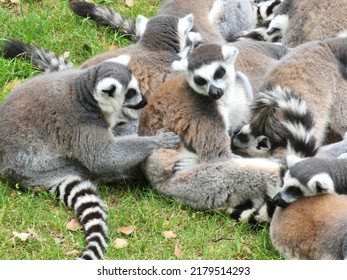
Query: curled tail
(43, 59)
(106, 16)
(285, 120)
(81, 196)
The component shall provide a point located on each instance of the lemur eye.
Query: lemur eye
(294, 191)
(200, 81)
(219, 73)
(130, 93)
(110, 91)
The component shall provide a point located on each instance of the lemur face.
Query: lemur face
(209, 69)
(305, 177)
(246, 143)
(119, 88)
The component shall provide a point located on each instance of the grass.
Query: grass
(200, 235)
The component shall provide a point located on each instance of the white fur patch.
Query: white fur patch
(109, 105)
(122, 59)
(141, 25)
(215, 11)
(291, 160)
(324, 181)
(278, 25)
(180, 65)
(185, 25)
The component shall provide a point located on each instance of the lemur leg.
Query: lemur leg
(221, 185)
(82, 197)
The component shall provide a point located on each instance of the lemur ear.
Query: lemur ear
(229, 54)
(195, 38)
(122, 59)
(185, 24)
(141, 24)
(292, 160)
(321, 183)
(180, 65)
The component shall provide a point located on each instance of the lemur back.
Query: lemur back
(313, 228)
(204, 105)
(56, 133)
(315, 20)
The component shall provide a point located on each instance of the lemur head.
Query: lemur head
(304, 177)
(255, 146)
(278, 26)
(116, 87)
(168, 32)
(209, 69)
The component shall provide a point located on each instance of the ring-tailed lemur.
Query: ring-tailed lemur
(204, 105)
(314, 20)
(315, 72)
(264, 12)
(217, 20)
(227, 185)
(55, 133)
(163, 40)
(313, 228)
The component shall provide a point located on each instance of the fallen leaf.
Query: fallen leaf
(178, 252)
(120, 243)
(112, 48)
(66, 55)
(74, 225)
(33, 233)
(15, 1)
(248, 251)
(129, 3)
(127, 230)
(12, 84)
(22, 236)
(72, 253)
(58, 240)
(169, 234)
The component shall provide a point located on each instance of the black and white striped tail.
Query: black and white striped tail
(41, 58)
(106, 16)
(298, 121)
(81, 196)
(257, 211)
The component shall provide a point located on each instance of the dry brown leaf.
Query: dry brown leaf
(33, 233)
(58, 240)
(129, 3)
(15, 1)
(74, 225)
(22, 236)
(13, 84)
(127, 230)
(120, 243)
(169, 234)
(248, 251)
(178, 250)
(72, 253)
(112, 48)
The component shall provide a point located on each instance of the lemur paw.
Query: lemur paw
(167, 140)
(184, 164)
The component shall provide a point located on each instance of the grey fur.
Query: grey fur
(223, 185)
(314, 228)
(106, 16)
(42, 58)
(55, 133)
(216, 20)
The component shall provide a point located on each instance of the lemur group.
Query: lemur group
(235, 105)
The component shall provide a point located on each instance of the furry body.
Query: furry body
(223, 185)
(315, 20)
(313, 72)
(56, 133)
(203, 122)
(313, 228)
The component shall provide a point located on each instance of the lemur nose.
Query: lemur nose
(215, 92)
(279, 201)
